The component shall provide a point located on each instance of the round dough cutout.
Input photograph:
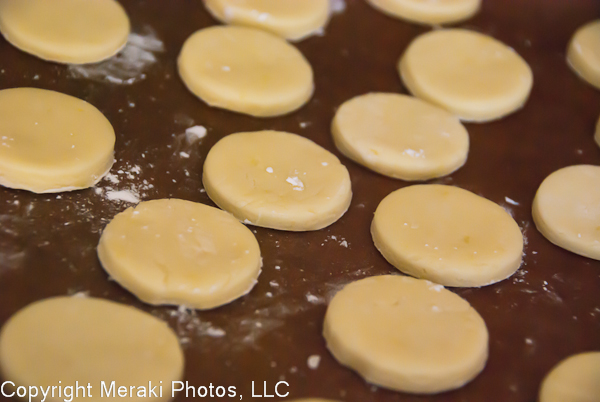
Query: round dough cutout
(291, 19)
(180, 252)
(88, 340)
(406, 334)
(428, 12)
(277, 180)
(566, 209)
(575, 379)
(583, 54)
(467, 73)
(65, 31)
(447, 235)
(245, 70)
(51, 142)
(400, 136)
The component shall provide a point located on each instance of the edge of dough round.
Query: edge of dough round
(573, 379)
(291, 27)
(66, 53)
(399, 354)
(395, 164)
(428, 14)
(144, 280)
(578, 60)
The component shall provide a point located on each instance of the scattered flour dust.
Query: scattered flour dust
(337, 6)
(313, 362)
(124, 185)
(126, 67)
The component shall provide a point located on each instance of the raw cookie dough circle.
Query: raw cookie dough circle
(575, 379)
(277, 180)
(583, 54)
(291, 19)
(245, 70)
(400, 136)
(88, 340)
(427, 11)
(406, 334)
(447, 235)
(180, 252)
(51, 142)
(472, 75)
(566, 209)
(65, 31)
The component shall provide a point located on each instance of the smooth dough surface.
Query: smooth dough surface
(406, 334)
(245, 70)
(180, 252)
(566, 209)
(575, 379)
(447, 235)
(583, 54)
(65, 31)
(277, 180)
(470, 74)
(52, 142)
(88, 340)
(427, 11)
(400, 136)
(291, 19)
(597, 135)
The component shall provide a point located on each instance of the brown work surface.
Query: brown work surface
(548, 310)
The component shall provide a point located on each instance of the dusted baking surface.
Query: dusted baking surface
(548, 310)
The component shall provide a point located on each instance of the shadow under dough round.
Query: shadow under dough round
(65, 31)
(245, 70)
(277, 180)
(447, 235)
(291, 19)
(88, 340)
(574, 379)
(51, 142)
(428, 12)
(180, 252)
(583, 54)
(471, 75)
(400, 136)
(406, 334)
(566, 209)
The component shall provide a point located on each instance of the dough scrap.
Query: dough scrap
(400, 136)
(245, 70)
(277, 180)
(88, 340)
(566, 209)
(52, 142)
(447, 235)
(583, 54)
(427, 11)
(406, 334)
(470, 74)
(180, 252)
(575, 379)
(65, 31)
(291, 19)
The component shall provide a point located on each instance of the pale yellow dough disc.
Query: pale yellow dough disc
(470, 74)
(406, 334)
(583, 54)
(447, 235)
(51, 142)
(277, 180)
(291, 19)
(575, 379)
(245, 70)
(88, 340)
(428, 11)
(65, 31)
(180, 252)
(400, 136)
(566, 209)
